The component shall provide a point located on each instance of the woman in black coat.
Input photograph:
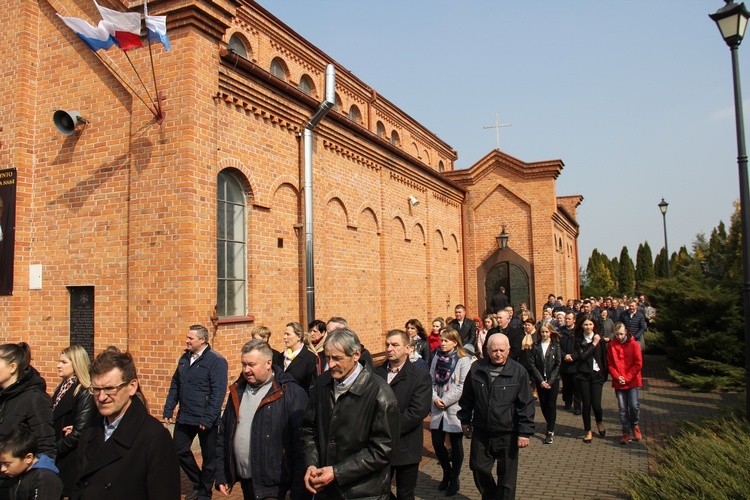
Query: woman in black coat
(545, 361)
(73, 410)
(300, 361)
(415, 331)
(592, 372)
(23, 400)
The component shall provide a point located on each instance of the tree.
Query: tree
(644, 270)
(614, 270)
(598, 277)
(660, 264)
(626, 275)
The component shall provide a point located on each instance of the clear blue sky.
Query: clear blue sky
(634, 97)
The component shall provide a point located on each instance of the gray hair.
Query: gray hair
(200, 330)
(344, 340)
(258, 345)
(339, 321)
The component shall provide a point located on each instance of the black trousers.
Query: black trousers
(591, 398)
(485, 451)
(455, 460)
(569, 390)
(548, 403)
(406, 480)
(203, 480)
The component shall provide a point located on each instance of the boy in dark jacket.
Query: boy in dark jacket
(35, 475)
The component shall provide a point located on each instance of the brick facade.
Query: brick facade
(128, 206)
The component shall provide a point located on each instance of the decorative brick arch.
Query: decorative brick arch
(339, 198)
(368, 206)
(403, 226)
(454, 238)
(230, 163)
(418, 227)
(442, 239)
(284, 179)
(497, 187)
(371, 213)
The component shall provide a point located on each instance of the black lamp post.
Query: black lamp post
(663, 207)
(502, 239)
(732, 21)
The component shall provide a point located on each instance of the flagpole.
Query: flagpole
(124, 82)
(160, 115)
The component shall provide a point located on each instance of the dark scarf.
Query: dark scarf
(444, 366)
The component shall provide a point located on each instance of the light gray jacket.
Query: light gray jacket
(450, 393)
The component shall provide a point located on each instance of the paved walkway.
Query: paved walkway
(569, 468)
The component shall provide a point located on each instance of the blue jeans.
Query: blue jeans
(630, 409)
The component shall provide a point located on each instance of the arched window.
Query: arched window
(306, 85)
(338, 105)
(231, 242)
(394, 139)
(380, 129)
(354, 114)
(237, 46)
(441, 166)
(278, 69)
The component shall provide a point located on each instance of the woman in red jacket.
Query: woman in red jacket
(625, 362)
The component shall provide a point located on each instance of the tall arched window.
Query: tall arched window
(231, 242)
(441, 166)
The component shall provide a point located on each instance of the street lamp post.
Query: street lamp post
(663, 207)
(732, 21)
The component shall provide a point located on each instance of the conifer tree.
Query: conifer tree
(644, 267)
(626, 276)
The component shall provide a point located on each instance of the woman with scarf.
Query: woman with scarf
(592, 372)
(318, 336)
(23, 400)
(450, 365)
(73, 410)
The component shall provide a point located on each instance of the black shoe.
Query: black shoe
(192, 495)
(550, 438)
(567, 406)
(446, 479)
(577, 411)
(453, 487)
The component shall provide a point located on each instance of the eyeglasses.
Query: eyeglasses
(109, 391)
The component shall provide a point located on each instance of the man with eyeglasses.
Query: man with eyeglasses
(129, 454)
(199, 385)
(497, 412)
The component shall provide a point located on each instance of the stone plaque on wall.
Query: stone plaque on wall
(82, 317)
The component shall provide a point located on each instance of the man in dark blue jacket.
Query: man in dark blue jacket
(264, 451)
(198, 386)
(634, 321)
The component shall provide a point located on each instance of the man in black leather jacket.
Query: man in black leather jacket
(350, 427)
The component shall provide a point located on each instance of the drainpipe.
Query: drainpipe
(325, 106)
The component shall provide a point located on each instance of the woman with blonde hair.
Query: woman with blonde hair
(450, 365)
(300, 360)
(73, 410)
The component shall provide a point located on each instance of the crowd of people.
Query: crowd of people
(321, 418)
